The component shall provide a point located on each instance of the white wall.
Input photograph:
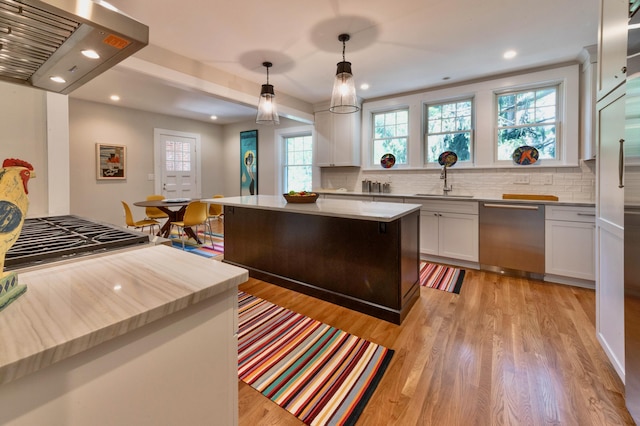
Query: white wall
(91, 123)
(267, 156)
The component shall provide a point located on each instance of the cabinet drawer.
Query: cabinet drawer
(468, 207)
(572, 214)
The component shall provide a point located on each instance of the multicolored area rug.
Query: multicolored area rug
(320, 374)
(213, 245)
(441, 277)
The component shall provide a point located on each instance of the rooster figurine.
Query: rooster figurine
(14, 177)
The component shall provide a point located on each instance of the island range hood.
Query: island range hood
(44, 43)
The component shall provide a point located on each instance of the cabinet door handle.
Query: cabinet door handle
(624, 70)
(510, 206)
(587, 214)
(621, 164)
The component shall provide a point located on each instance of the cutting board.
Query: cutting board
(529, 197)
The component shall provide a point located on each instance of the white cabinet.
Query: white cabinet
(612, 45)
(570, 242)
(610, 133)
(337, 139)
(449, 229)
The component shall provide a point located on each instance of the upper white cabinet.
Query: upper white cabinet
(612, 45)
(338, 139)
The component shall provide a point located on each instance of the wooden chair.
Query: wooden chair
(215, 211)
(195, 214)
(154, 212)
(139, 224)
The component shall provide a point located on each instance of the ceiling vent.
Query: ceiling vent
(58, 45)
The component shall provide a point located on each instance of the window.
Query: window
(528, 117)
(178, 156)
(298, 158)
(449, 128)
(391, 135)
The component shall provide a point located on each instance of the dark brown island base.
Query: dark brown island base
(358, 254)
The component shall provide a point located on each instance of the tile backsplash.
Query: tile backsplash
(568, 183)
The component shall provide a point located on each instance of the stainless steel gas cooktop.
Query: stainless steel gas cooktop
(50, 239)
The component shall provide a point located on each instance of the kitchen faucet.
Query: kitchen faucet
(443, 175)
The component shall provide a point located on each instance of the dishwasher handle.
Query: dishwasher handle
(510, 206)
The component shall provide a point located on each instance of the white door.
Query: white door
(177, 170)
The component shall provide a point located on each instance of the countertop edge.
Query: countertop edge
(448, 198)
(46, 356)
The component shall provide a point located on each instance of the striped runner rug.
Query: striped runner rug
(441, 277)
(320, 374)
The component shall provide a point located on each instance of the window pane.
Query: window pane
(449, 127)
(531, 121)
(297, 170)
(390, 135)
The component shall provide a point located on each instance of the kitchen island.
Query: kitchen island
(360, 255)
(142, 336)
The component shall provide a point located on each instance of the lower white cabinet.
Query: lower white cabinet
(449, 229)
(570, 241)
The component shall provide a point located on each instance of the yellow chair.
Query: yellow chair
(140, 224)
(215, 211)
(154, 212)
(195, 214)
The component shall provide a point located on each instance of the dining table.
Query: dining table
(174, 208)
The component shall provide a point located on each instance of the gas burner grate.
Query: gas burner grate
(48, 239)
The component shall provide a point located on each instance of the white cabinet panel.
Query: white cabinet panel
(446, 232)
(612, 45)
(570, 249)
(338, 139)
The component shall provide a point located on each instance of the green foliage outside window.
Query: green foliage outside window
(449, 127)
(391, 135)
(528, 118)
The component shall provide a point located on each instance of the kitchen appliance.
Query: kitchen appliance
(512, 238)
(45, 39)
(55, 238)
(631, 149)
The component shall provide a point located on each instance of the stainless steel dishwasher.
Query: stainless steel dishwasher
(512, 238)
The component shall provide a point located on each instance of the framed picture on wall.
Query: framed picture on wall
(111, 161)
(249, 162)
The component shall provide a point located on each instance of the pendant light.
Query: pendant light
(343, 97)
(267, 108)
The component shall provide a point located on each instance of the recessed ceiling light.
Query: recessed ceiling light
(364, 86)
(90, 53)
(214, 117)
(509, 54)
(57, 79)
(114, 97)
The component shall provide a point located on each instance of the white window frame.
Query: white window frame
(280, 136)
(373, 160)
(558, 122)
(483, 92)
(425, 133)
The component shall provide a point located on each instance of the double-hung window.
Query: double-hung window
(528, 118)
(449, 127)
(391, 135)
(297, 164)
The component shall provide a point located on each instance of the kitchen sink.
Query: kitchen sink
(443, 196)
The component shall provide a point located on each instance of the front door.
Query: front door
(177, 164)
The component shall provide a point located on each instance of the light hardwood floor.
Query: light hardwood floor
(506, 351)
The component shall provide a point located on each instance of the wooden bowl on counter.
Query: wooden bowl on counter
(310, 197)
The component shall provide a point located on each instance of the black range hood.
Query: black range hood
(43, 41)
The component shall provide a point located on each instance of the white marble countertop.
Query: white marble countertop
(71, 307)
(350, 209)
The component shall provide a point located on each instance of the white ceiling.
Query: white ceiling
(395, 47)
